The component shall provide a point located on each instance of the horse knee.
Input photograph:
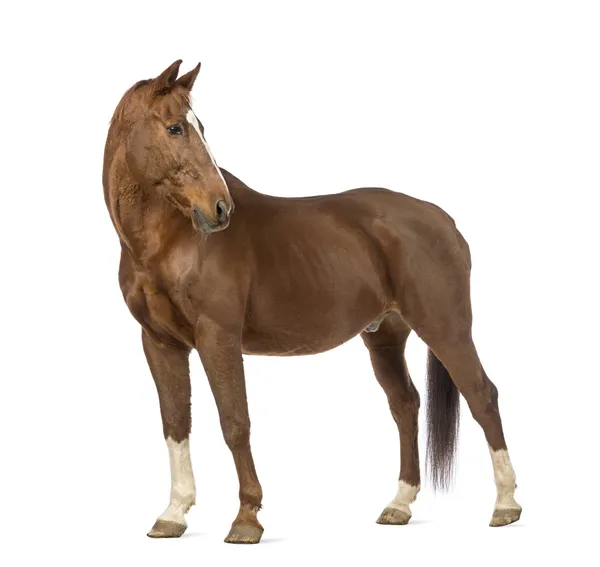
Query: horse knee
(235, 431)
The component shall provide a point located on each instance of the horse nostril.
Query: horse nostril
(222, 211)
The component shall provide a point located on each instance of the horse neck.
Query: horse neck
(147, 225)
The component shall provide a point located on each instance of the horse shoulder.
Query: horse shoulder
(151, 307)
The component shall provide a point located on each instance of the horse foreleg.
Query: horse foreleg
(221, 355)
(170, 369)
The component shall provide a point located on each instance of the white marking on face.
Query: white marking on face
(183, 488)
(405, 495)
(506, 480)
(193, 120)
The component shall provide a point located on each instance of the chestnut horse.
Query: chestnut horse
(288, 276)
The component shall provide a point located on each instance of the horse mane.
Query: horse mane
(125, 100)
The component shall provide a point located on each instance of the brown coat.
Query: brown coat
(209, 264)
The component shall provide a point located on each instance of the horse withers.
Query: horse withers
(209, 264)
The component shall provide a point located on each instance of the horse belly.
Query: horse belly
(305, 319)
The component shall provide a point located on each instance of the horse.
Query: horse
(207, 263)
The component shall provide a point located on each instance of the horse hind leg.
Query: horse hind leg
(386, 345)
(454, 363)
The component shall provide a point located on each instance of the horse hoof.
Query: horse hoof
(244, 533)
(393, 517)
(505, 516)
(164, 528)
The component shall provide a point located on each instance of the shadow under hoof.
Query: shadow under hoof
(164, 528)
(244, 533)
(393, 517)
(504, 517)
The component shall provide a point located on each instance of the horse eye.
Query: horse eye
(175, 130)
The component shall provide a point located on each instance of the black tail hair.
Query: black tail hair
(443, 404)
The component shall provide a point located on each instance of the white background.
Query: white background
(489, 109)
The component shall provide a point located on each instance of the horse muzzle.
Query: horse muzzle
(217, 220)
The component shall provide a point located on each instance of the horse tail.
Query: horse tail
(443, 404)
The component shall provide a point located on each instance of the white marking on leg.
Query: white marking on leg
(183, 488)
(506, 480)
(193, 120)
(405, 495)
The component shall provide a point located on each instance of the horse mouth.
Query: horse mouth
(201, 221)
(202, 225)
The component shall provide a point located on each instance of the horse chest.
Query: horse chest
(158, 314)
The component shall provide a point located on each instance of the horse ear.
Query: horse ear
(187, 81)
(167, 78)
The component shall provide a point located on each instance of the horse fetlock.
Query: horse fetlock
(507, 510)
(183, 498)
